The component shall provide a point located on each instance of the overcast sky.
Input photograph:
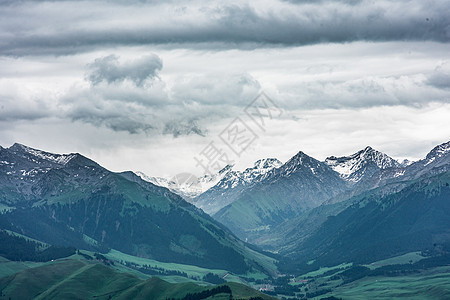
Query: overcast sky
(151, 86)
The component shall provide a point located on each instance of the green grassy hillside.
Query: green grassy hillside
(409, 276)
(432, 284)
(74, 278)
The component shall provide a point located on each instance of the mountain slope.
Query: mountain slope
(299, 185)
(76, 202)
(374, 227)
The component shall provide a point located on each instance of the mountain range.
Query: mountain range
(294, 217)
(213, 192)
(394, 211)
(69, 200)
(271, 210)
(255, 201)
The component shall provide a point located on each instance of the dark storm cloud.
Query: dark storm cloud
(70, 27)
(109, 69)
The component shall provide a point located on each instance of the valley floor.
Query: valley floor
(77, 278)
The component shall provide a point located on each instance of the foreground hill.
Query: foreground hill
(80, 279)
(69, 200)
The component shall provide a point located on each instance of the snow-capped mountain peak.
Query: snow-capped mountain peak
(300, 161)
(224, 170)
(362, 163)
(267, 163)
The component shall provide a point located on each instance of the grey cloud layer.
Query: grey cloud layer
(416, 90)
(440, 78)
(130, 96)
(29, 27)
(108, 69)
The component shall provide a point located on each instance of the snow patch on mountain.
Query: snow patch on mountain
(406, 162)
(259, 170)
(438, 152)
(61, 159)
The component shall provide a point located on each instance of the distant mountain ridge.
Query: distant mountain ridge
(300, 184)
(225, 184)
(304, 183)
(436, 161)
(187, 185)
(232, 183)
(213, 192)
